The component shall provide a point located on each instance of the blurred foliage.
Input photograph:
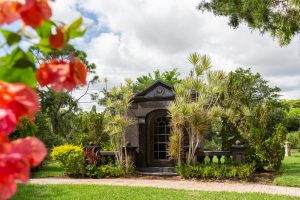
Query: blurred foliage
(24, 128)
(294, 138)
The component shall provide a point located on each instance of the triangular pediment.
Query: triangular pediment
(158, 89)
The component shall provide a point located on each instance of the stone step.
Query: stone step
(157, 173)
(157, 170)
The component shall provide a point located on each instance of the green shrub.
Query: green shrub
(105, 171)
(91, 171)
(71, 157)
(269, 151)
(294, 138)
(215, 171)
(110, 171)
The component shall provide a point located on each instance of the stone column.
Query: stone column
(287, 146)
(131, 153)
(141, 158)
(238, 152)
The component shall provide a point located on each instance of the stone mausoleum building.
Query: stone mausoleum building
(148, 138)
(151, 132)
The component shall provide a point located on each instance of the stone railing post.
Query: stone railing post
(131, 153)
(287, 146)
(238, 152)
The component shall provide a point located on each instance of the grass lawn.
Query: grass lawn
(90, 192)
(49, 169)
(290, 170)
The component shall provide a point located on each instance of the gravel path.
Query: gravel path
(178, 184)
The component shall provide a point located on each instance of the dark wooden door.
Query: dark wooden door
(158, 140)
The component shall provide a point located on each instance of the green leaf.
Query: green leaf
(44, 30)
(76, 24)
(75, 29)
(44, 45)
(17, 75)
(18, 59)
(74, 33)
(23, 63)
(10, 37)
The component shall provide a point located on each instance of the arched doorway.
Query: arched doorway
(158, 139)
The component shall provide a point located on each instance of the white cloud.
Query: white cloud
(143, 35)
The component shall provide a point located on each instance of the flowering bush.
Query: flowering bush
(19, 77)
(70, 156)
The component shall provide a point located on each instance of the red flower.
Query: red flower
(34, 12)
(16, 101)
(57, 41)
(61, 74)
(9, 11)
(8, 187)
(8, 121)
(15, 160)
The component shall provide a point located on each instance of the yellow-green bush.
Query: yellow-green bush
(71, 157)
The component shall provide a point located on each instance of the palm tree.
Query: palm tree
(117, 120)
(195, 106)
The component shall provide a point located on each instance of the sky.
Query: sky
(129, 38)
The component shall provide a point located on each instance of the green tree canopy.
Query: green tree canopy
(293, 114)
(281, 18)
(170, 77)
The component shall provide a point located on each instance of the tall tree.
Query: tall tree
(253, 112)
(281, 18)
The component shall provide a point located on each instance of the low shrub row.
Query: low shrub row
(214, 171)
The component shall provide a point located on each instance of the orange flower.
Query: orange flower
(77, 75)
(34, 12)
(16, 101)
(60, 74)
(16, 158)
(9, 11)
(57, 41)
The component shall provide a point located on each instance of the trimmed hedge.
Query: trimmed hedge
(215, 171)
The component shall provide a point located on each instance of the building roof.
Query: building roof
(158, 90)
